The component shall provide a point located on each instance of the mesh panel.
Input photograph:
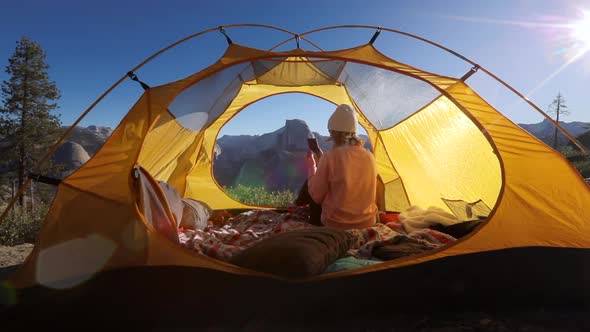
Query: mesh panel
(332, 68)
(247, 74)
(386, 97)
(261, 67)
(466, 211)
(199, 105)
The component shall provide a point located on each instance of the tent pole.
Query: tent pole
(527, 100)
(297, 37)
(44, 159)
(467, 75)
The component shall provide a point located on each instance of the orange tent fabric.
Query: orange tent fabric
(434, 138)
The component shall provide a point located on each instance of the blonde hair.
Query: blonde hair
(346, 138)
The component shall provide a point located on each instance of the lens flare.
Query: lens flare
(581, 30)
(7, 294)
(69, 264)
(569, 38)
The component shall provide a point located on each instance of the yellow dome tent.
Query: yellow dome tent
(434, 138)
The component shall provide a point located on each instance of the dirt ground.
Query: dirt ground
(539, 319)
(14, 255)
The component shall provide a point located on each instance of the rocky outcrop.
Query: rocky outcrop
(79, 146)
(90, 138)
(70, 154)
(272, 160)
(293, 136)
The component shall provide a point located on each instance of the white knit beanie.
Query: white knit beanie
(343, 119)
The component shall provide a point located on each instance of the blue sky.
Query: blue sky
(90, 45)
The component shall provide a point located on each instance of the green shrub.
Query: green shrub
(582, 166)
(21, 226)
(259, 196)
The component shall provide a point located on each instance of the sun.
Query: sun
(581, 30)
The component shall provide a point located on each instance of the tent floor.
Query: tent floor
(545, 288)
(537, 320)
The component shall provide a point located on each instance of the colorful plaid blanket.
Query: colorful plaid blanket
(240, 232)
(224, 240)
(368, 238)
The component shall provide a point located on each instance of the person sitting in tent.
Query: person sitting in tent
(341, 183)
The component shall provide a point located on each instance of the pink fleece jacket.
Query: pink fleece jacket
(345, 184)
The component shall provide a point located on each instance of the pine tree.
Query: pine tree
(28, 98)
(557, 108)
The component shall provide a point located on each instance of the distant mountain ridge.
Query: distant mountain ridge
(257, 159)
(238, 156)
(584, 139)
(273, 160)
(545, 131)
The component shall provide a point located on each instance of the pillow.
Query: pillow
(296, 254)
(195, 214)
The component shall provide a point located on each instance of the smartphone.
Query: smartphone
(312, 143)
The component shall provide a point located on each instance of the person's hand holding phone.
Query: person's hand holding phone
(313, 145)
(313, 155)
(311, 163)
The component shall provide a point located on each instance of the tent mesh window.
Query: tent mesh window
(199, 105)
(386, 97)
(467, 211)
